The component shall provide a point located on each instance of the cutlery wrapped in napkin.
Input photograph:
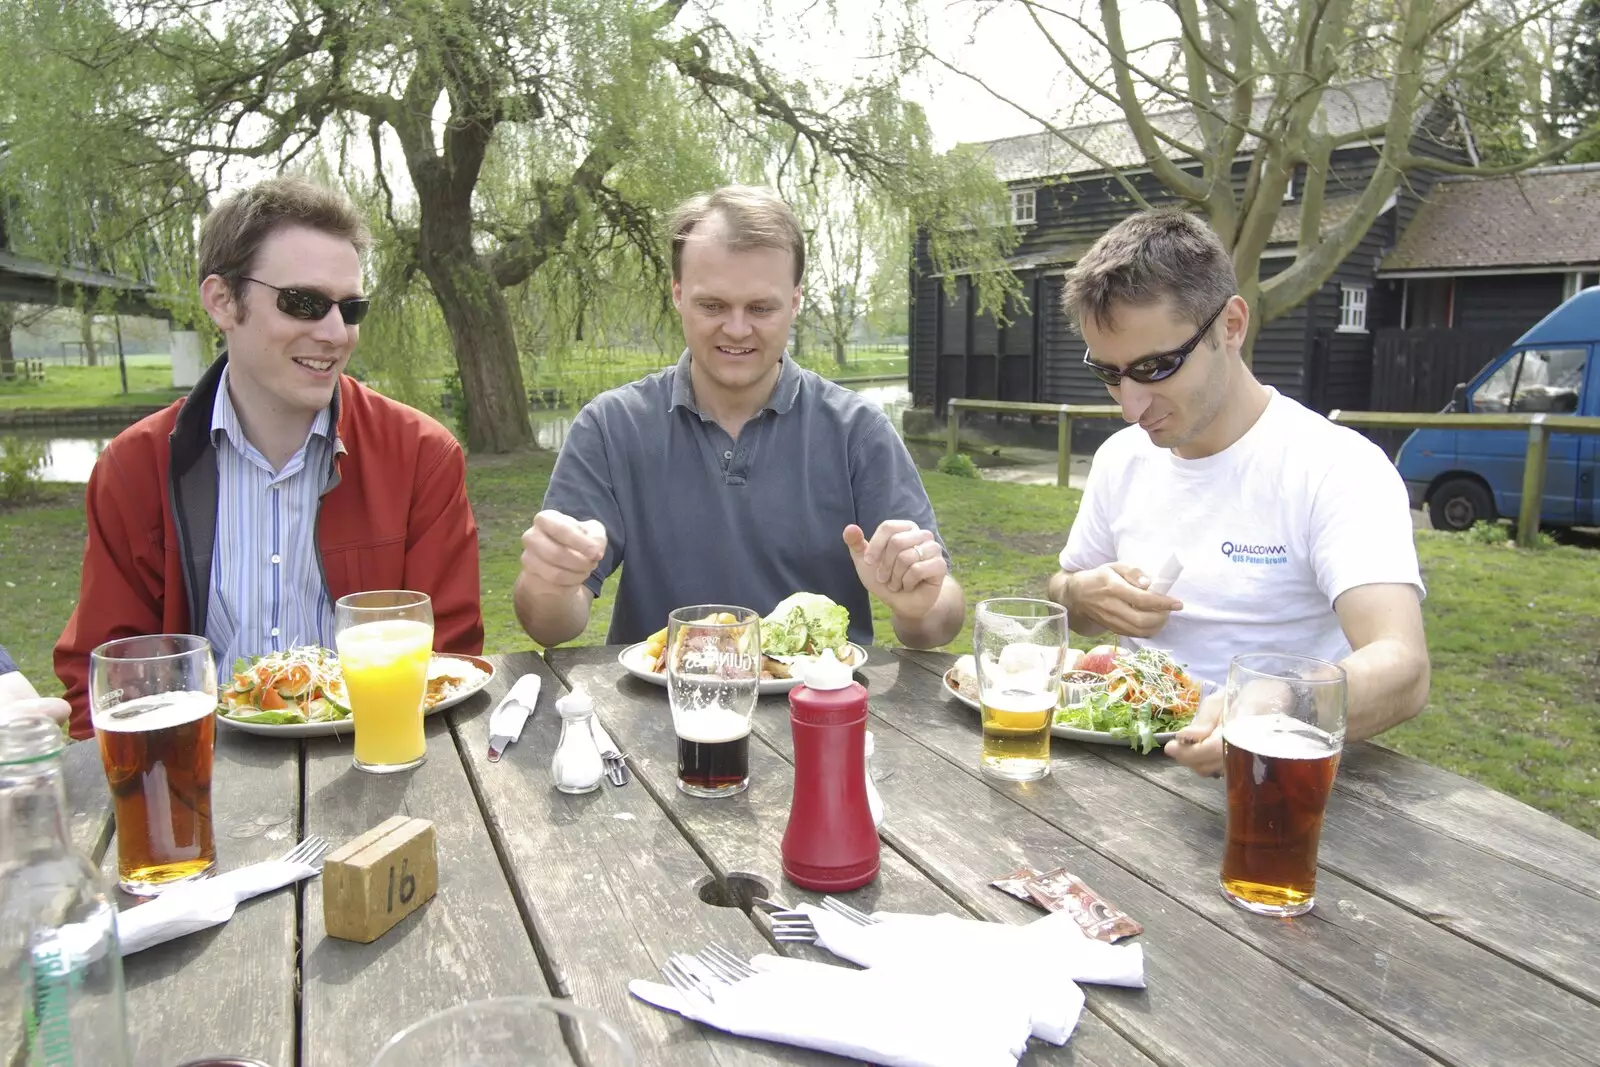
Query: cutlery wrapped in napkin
(184, 909)
(1046, 958)
(508, 717)
(901, 1017)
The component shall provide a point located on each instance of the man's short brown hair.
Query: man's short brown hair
(232, 234)
(1165, 254)
(753, 217)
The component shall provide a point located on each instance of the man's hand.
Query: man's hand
(1198, 746)
(1116, 597)
(19, 698)
(902, 565)
(559, 553)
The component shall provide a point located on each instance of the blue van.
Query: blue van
(1469, 475)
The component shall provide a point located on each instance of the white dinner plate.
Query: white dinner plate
(346, 727)
(633, 661)
(1097, 737)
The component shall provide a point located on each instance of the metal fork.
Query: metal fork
(797, 925)
(308, 851)
(724, 964)
(685, 980)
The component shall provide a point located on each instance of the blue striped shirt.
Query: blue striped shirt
(267, 592)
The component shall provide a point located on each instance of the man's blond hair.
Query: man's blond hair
(752, 217)
(1165, 254)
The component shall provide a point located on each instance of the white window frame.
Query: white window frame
(1353, 308)
(1030, 196)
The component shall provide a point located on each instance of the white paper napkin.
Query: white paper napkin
(892, 1016)
(185, 909)
(1047, 957)
(515, 707)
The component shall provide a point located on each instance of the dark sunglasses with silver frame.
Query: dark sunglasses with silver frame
(312, 306)
(1157, 367)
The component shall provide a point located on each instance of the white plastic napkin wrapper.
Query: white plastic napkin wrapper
(1052, 952)
(894, 1016)
(185, 909)
(507, 718)
(1167, 575)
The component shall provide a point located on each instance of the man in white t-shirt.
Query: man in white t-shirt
(1293, 534)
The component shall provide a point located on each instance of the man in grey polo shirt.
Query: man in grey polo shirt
(735, 476)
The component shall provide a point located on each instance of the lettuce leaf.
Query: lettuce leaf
(804, 624)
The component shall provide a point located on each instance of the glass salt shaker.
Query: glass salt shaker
(576, 766)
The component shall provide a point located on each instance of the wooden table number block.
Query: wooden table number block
(379, 878)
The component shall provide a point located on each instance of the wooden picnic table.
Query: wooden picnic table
(1453, 925)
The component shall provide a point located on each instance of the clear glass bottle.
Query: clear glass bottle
(58, 924)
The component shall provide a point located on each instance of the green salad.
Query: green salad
(1146, 693)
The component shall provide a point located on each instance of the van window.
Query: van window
(1536, 379)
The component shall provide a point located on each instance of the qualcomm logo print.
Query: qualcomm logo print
(1242, 552)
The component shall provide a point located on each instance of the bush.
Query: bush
(1483, 532)
(959, 465)
(21, 469)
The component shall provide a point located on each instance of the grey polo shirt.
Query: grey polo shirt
(702, 519)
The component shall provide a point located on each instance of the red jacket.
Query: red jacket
(395, 516)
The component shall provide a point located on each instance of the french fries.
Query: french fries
(655, 646)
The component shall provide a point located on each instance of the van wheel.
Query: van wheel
(1459, 503)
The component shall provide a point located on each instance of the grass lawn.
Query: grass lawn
(1515, 636)
(149, 382)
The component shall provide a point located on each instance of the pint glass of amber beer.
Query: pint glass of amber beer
(153, 701)
(713, 678)
(1283, 723)
(1019, 646)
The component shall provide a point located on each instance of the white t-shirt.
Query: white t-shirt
(1270, 532)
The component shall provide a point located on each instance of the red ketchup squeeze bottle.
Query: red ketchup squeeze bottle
(830, 844)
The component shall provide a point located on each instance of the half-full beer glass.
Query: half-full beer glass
(153, 702)
(1283, 723)
(1020, 646)
(713, 679)
(385, 640)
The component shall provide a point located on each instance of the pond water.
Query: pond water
(70, 459)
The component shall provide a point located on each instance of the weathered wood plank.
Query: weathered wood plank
(1545, 926)
(962, 833)
(229, 990)
(1538, 919)
(606, 880)
(88, 798)
(1360, 948)
(1487, 820)
(466, 944)
(742, 835)
(1469, 812)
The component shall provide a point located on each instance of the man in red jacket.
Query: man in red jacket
(244, 511)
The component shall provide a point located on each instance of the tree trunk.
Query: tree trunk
(91, 355)
(8, 356)
(838, 350)
(485, 345)
(1250, 289)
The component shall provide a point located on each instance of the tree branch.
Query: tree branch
(1175, 179)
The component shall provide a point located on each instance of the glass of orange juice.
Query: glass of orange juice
(385, 639)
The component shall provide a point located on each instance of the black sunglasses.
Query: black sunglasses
(312, 306)
(1157, 367)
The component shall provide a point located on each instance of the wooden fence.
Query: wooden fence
(1539, 427)
(1062, 413)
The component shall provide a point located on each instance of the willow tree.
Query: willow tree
(1253, 76)
(436, 88)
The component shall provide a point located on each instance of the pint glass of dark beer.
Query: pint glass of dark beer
(1283, 724)
(153, 701)
(713, 678)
